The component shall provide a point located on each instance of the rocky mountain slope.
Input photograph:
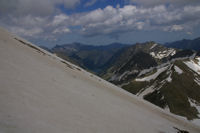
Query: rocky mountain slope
(173, 86)
(43, 93)
(135, 58)
(166, 77)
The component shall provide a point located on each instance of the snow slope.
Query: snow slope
(153, 76)
(163, 54)
(178, 70)
(195, 66)
(41, 93)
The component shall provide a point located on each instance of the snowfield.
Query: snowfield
(153, 76)
(148, 90)
(154, 45)
(193, 65)
(197, 106)
(41, 93)
(163, 54)
(178, 70)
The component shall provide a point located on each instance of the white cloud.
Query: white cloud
(25, 7)
(164, 2)
(106, 21)
(174, 28)
(28, 21)
(34, 7)
(31, 32)
(61, 30)
(58, 19)
(129, 18)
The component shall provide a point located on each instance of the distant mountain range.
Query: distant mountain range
(97, 59)
(186, 44)
(165, 75)
(92, 58)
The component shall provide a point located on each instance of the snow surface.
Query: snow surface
(198, 58)
(194, 66)
(167, 108)
(41, 94)
(153, 46)
(197, 81)
(153, 76)
(118, 77)
(169, 79)
(146, 91)
(193, 103)
(144, 71)
(163, 54)
(178, 70)
(125, 74)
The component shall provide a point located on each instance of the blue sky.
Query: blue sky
(100, 22)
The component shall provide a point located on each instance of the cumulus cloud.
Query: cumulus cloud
(33, 7)
(30, 18)
(30, 32)
(164, 2)
(61, 30)
(59, 19)
(174, 28)
(106, 21)
(130, 18)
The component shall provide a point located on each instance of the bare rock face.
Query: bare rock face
(41, 93)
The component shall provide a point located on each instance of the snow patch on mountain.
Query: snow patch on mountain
(167, 108)
(169, 79)
(146, 91)
(163, 54)
(197, 81)
(198, 59)
(178, 70)
(118, 77)
(195, 104)
(154, 45)
(153, 76)
(193, 65)
(169, 72)
(145, 71)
